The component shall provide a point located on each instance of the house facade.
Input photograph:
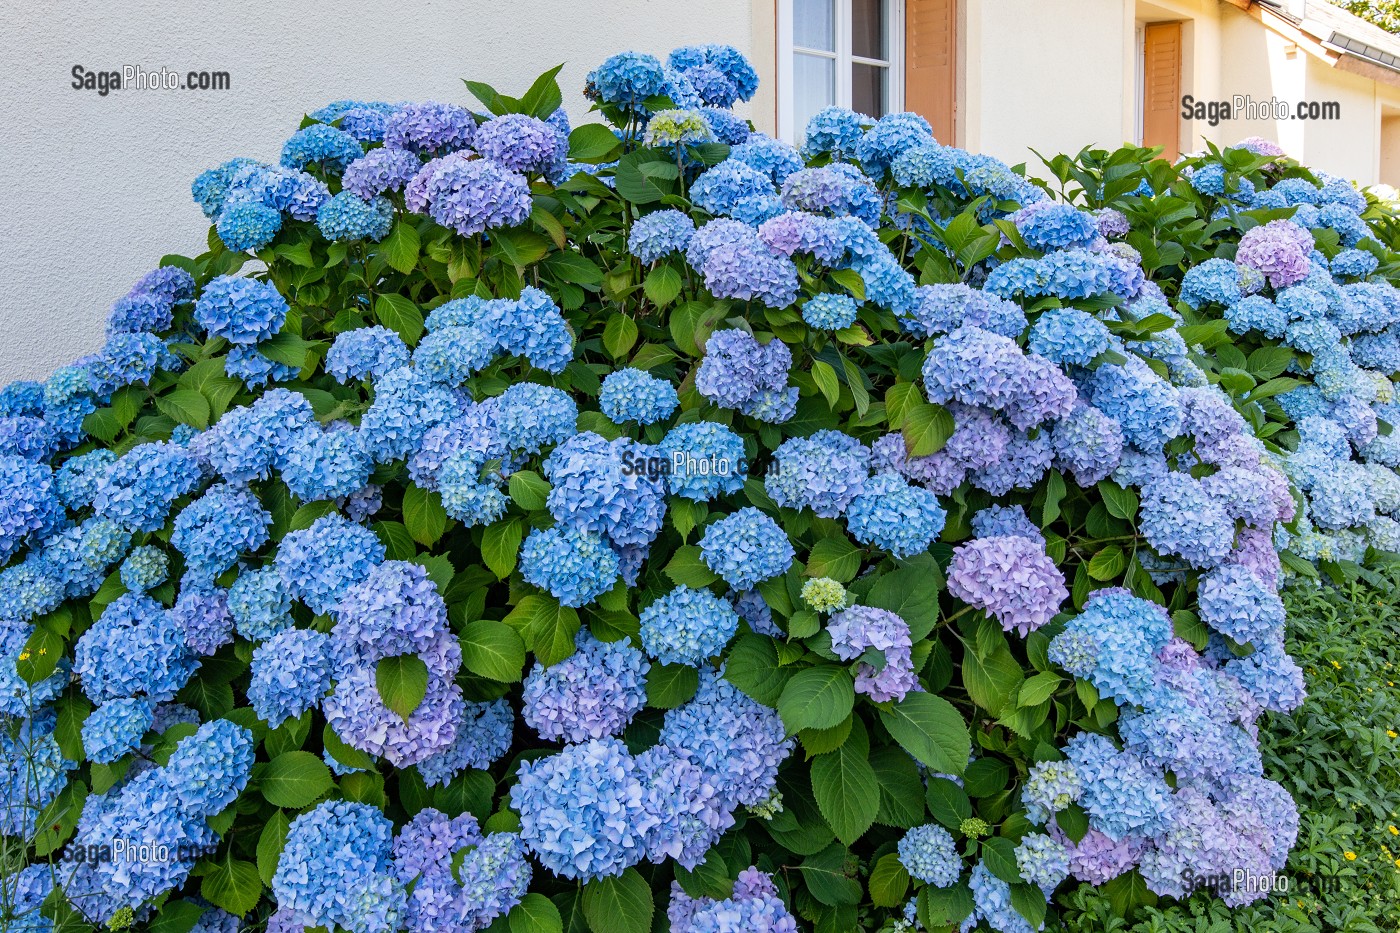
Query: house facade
(1007, 76)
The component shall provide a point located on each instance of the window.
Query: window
(838, 52)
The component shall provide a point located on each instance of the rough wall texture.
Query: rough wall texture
(97, 188)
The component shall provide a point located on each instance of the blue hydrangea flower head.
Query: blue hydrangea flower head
(928, 854)
(145, 568)
(635, 395)
(592, 694)
(659, 234)
(829, 311)
(115, 728)
(687, 626)
(347, 217)
(291, 672)
(703, 460)
(365, 353)
(240, 310)
(321, 145)
(576, 567)
(429, 128)
(746, 548)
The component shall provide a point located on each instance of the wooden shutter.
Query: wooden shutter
(1161, 88)
(930, 64)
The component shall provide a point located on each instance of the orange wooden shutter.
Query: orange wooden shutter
(1161, 91)
(930, 63)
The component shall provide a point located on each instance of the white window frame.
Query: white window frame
(844, 60)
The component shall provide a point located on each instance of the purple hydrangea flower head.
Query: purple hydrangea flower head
(1088, 444)
(859, 629)
(597, 488)
(754, 907)
(519, 142)
(472, 196)
(201, 615)
(592, 694)
(1279, 249)
(483, 736)
(1011, 578)
(378, 171)
(823, 472)
(429, 128)
(688, 814)
(736, 263)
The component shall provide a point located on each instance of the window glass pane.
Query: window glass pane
(814, 87)
(814, 24)
(868, 29)
(868, 89)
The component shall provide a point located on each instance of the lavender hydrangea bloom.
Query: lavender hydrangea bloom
(1279, 249)
(478, 195)
(754, 907)
(592, 694)
(429, 128)
(1179, 517)
(739, 372)
(483, 736)
(1011, 578)
(859, 629)
(823, 472)
(519, 142)
(378, 171)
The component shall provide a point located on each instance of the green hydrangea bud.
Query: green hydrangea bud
(769, 806)
(824, 594)
(973, 828)
(122, 919)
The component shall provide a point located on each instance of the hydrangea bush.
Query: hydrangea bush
(637, 526)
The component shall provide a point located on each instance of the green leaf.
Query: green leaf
(185, 406)
(397, 541)
(999, 855)
(832, 876)
(637, 174)
(500, 546)
(423, 514)
(1029, 901)
(901, 788)
(930, 729)
(295, 779)
(846, 792)
(619, 335)
(173, 917)
(944, 907)
(232, 884)
(548, 628)
(1267, 362)
(593, 143)
(986, 777)
(1074, 821)
(662, 284)
(671, 685)
(1121, 503)
(401, 247)
(493, 650)
(402, 682)
(899, 398)
(835, 557)
(817, 698)
(270, 843)
(1108, 564)
(535, 914)
(347, 755)
(529, 490)
(947, 802)
(825, 377)
(926, 429)
(889, 881)
(620, 904)
(544, 96)
(1038, 689)
(1127, 893)
(688, 568)
(992, 674)
(851, 280)
(400, 315)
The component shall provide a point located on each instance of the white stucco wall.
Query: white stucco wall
(97, 188)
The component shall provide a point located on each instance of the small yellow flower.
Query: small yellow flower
(1393, 831)
(24, 655)
(1392, 733)
(1336, 665)
(1349, 856)
(43, 651)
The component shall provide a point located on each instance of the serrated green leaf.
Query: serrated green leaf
(844, 786)
(401, 247)
(185, 406)
(500, 546)
(889, 881)
(402, 682)
(295, 779)
(926, 428)
(825, 377)
(930, 729)
(493, 650)
(423, 514)
(535, 914)
(400, 315)
(232, 884)
(817, 698)
(620, 904)
(619, 335)
(271, 841)
(529, 490)
(593, 143)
